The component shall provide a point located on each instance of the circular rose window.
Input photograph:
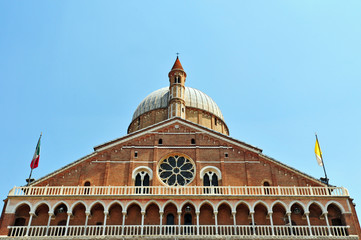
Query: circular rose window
(176, 170)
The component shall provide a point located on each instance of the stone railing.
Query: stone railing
(186, 231)
(183, 191)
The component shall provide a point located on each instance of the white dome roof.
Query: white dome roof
(193, 97)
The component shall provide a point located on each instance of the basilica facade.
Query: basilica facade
(178, 174)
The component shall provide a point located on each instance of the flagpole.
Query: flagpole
(32, 164)
(323, 164)
(30, 176)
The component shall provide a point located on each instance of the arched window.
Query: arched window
(211, 176)
(160, 141)
(210, 179)
(193, 141)
(177, 79)
(142, 180)
(214, 181)
(206, 181)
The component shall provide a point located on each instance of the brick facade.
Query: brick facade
(237, 186)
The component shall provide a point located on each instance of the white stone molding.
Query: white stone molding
(305, 209)
(12, 209)
(187, 202)
(337, 204)
(150, 202)
(242, 202)
(284, 205)
(96, 202)
(76, 203)
(134, 202)
(57, 204)
(115, 202)
(38, 204)
(261, 202)
(140, 169)
(226, 202)
(210, 169)
(317, 203)
(166, 203)
(204, 202)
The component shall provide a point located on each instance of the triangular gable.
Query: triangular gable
(156, 127)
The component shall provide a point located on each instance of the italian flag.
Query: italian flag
(35, 162)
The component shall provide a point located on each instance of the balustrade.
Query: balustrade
(183, 230)
(182, 190)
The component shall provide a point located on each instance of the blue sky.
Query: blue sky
(279, 71)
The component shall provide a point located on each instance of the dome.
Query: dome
(193, 99)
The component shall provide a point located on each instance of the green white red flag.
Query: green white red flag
(35, 162)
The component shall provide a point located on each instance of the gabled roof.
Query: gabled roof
(153, 130)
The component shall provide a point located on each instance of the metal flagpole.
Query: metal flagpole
(30, 174)
(32, 163)
(323, 164)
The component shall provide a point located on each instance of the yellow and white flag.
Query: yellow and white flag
(318, 153)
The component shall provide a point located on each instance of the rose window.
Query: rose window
(176, 170)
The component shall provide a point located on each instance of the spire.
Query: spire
(177, 65)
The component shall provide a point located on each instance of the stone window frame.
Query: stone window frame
(212, 169)
(179, 155)
(142, 169)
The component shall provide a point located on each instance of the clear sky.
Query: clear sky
(279, 71)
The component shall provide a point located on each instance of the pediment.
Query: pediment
(176, 133)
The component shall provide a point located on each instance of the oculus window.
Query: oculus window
(176, 170)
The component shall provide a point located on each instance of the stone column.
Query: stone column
(87, 214)
(271, 221)
(123, 223)
(29, 224)
(253, 227)
(47, 226)
(179, 222)
(197, 213)
(290, 221)
(67, 223)
(216, 221)
(105, 221)
(308, 222)
(328, 225)
(160, 222)
(234, 222)
(142, 227)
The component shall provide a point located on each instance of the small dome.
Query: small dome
(193, 98)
